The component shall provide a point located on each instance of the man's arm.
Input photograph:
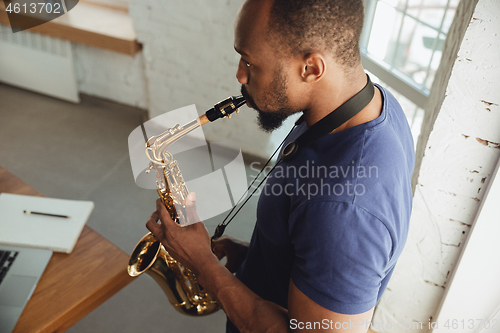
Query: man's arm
(250, 313)
(190, 245)
(247, 311)
(308, 316)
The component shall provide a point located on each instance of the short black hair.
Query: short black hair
(304, 26)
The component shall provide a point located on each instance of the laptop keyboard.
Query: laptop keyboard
(6, 260)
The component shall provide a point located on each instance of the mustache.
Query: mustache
(248, 98)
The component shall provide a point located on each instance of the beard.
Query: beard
(277, 103)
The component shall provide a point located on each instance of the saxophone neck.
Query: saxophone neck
(156, 146)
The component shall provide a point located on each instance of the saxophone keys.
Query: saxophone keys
(150, 167)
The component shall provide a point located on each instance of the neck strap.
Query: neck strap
(331, 121)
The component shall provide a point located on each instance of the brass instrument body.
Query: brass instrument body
(177, 282)
(170, 181)
(150, 256)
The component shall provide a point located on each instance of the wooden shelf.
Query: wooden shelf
(88, 24)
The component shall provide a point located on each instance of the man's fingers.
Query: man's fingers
(221, 239)
(159, 204)
(219, 253)
(152, 223)
(191, 213)
(190, 206)
(153, 227)
(219, 247)
(163, 214)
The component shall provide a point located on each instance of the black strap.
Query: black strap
(331, 121)
(342, 114)
(222, 226)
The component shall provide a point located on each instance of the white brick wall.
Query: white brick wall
(110, 75)
(189, 59)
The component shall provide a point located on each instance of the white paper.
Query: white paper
(38, 231)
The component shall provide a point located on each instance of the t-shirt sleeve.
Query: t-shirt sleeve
(341, 255)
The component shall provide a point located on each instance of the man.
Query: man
(325, 246)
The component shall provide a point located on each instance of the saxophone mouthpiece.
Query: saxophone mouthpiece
(225, 108)
(239, 101)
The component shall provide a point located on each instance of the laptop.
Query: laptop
(20, 270)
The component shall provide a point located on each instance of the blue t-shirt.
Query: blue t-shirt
(335, 218)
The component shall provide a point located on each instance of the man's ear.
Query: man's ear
(314, 67)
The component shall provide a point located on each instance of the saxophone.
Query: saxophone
(149, 255)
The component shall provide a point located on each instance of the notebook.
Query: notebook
(56, 233)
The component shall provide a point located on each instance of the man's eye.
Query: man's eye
(247, 64)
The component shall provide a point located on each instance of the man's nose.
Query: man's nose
(242, 74)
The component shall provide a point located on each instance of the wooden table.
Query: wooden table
(72, 284)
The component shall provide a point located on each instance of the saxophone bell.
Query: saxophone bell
(177, 282)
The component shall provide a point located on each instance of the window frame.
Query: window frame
(400, 82)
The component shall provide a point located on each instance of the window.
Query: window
(401, 47)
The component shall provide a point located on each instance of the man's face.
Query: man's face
(273, 100)
(263, 72)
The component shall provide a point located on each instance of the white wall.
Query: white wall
(110, 75)
(459, 157)
(472, 300)
(189, 59)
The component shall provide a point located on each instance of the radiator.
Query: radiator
(38, 63)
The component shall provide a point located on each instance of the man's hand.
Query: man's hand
(190, 245)
(234, 249)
